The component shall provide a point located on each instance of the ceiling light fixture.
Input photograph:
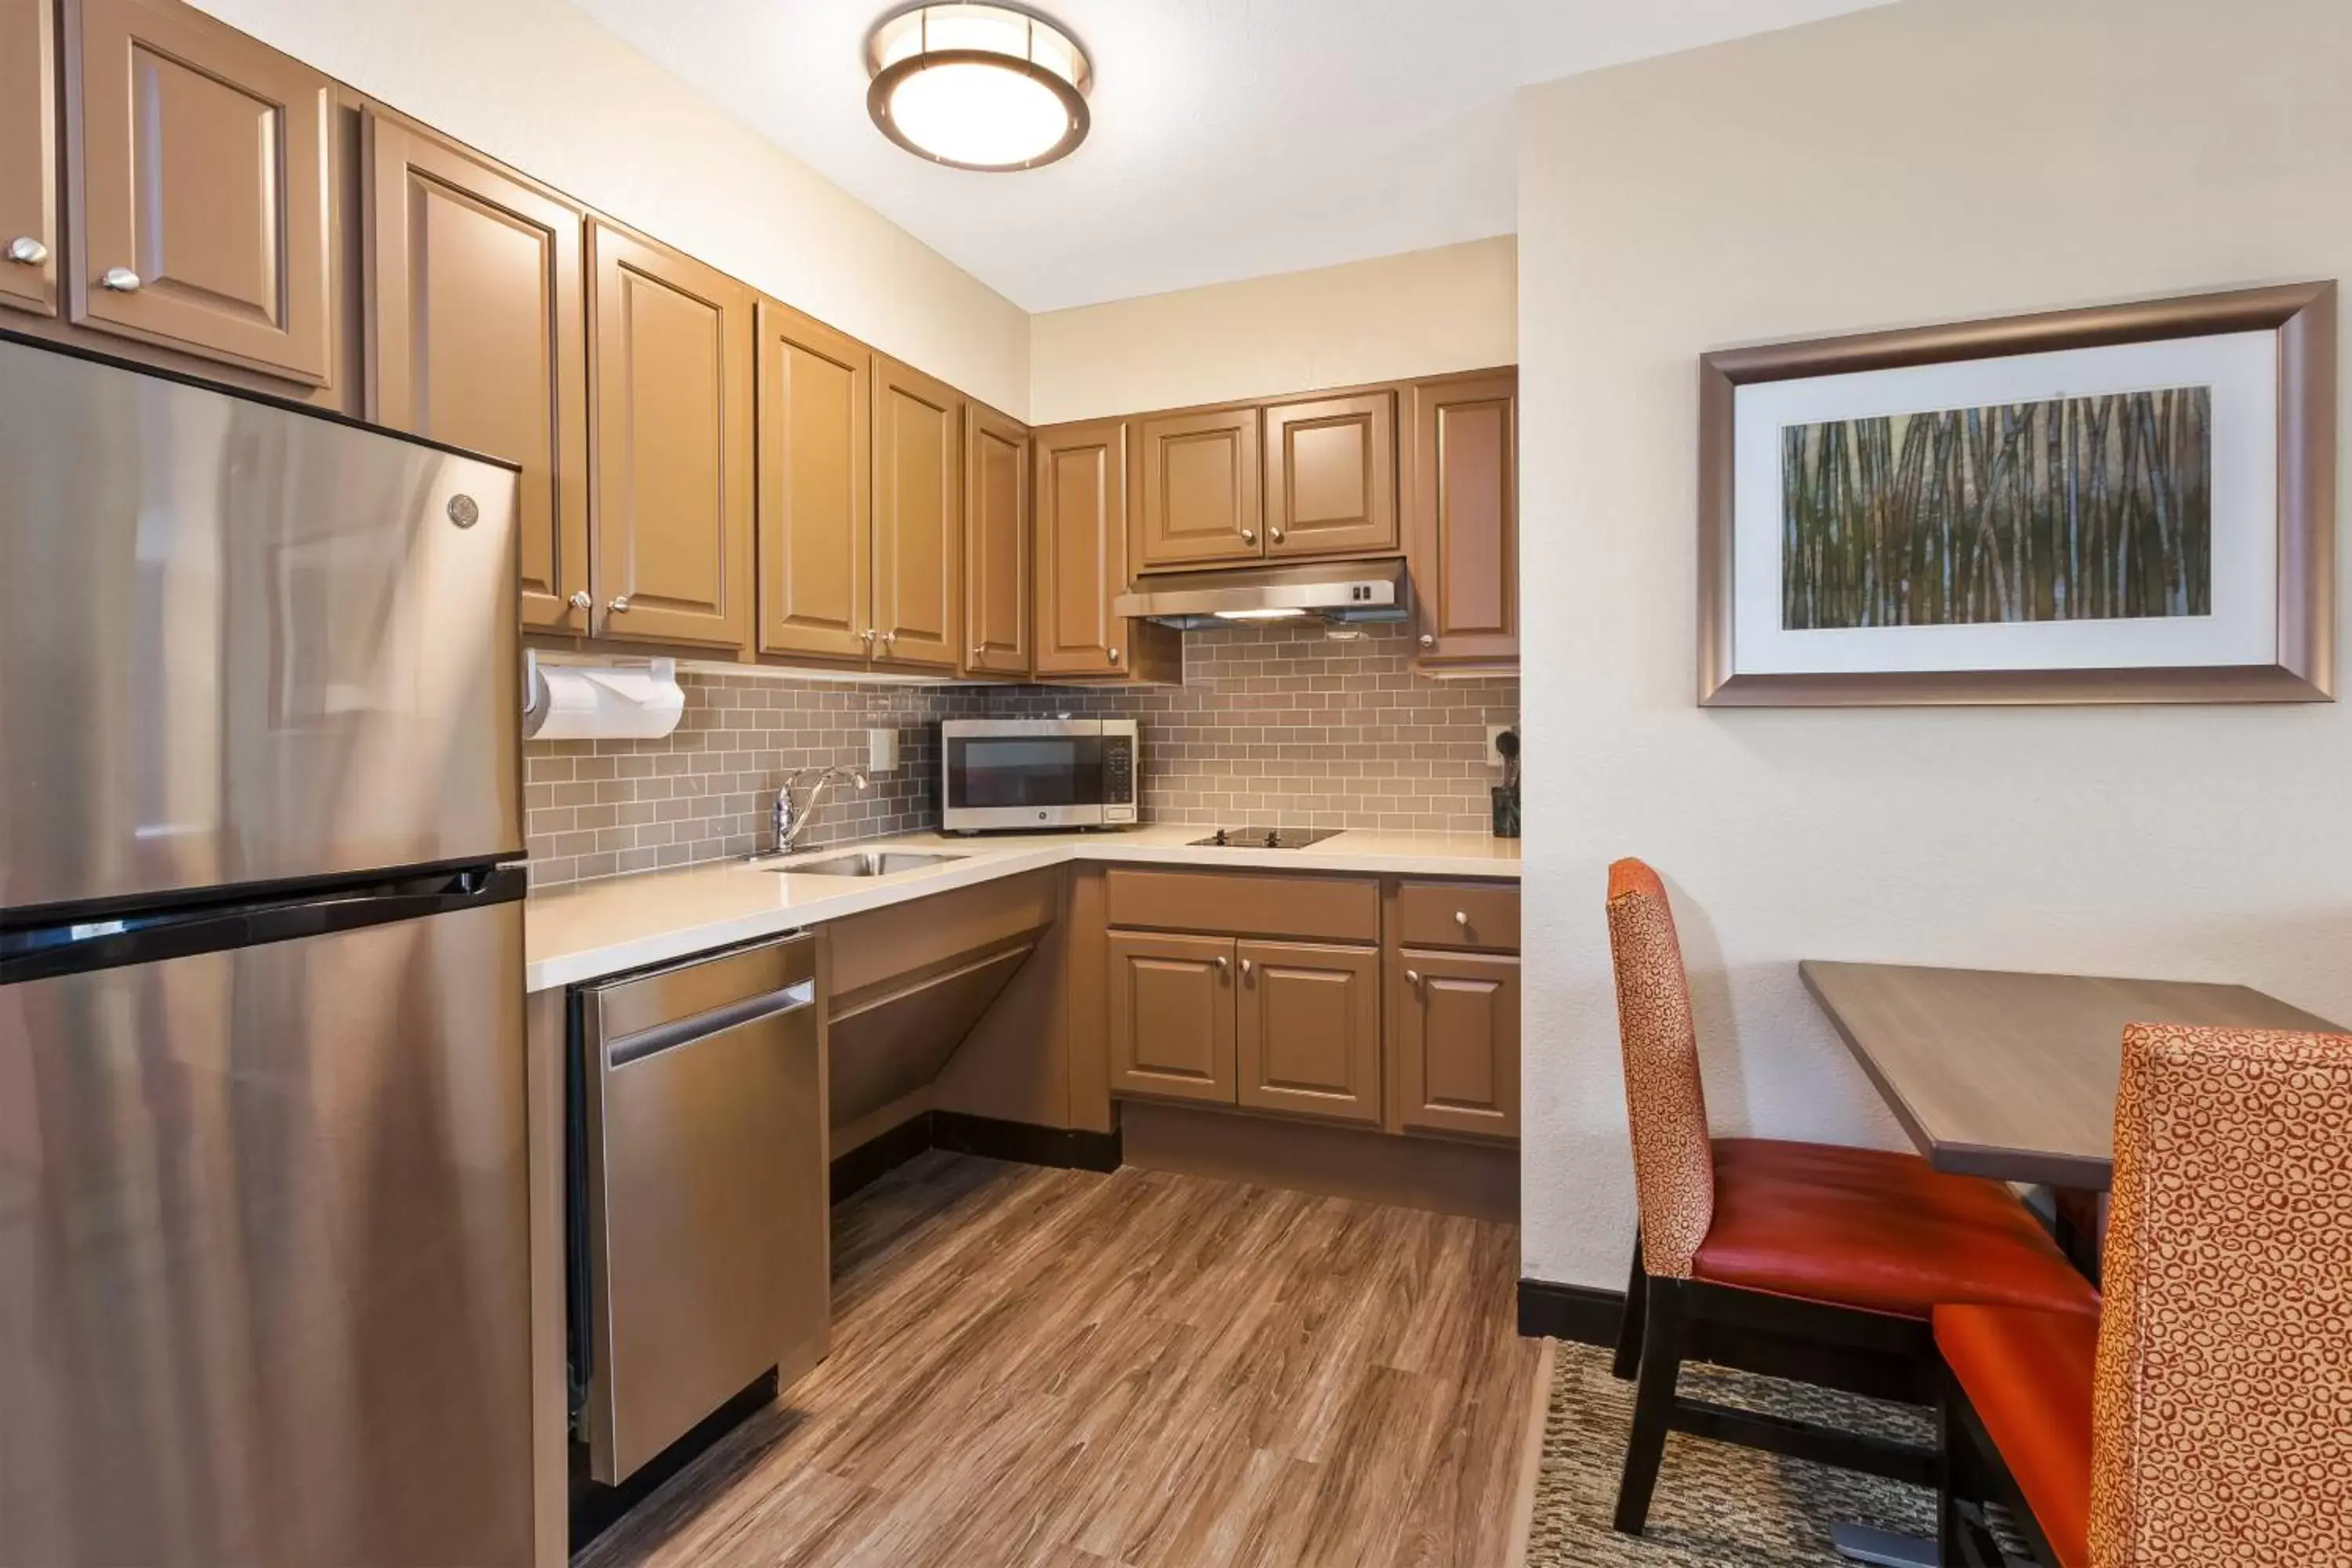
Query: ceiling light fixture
(978, 86)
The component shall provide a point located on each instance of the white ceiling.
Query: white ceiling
(1231, 138)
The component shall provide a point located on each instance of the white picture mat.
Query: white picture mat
(2242, 368)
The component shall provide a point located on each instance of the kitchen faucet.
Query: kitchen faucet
(790, 822)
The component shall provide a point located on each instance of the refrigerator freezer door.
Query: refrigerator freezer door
(264, 1277)
(242, 645)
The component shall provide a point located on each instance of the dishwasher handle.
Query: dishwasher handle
(679, 1033)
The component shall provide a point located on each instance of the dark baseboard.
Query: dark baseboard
(1024, 1142)
(1576, 1313)
(596, 1508)
(877, 1157)
(1021, 1142)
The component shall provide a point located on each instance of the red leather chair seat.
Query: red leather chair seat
(2028, 1374)
(1880, 1231)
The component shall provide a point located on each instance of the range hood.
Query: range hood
(1332, 591)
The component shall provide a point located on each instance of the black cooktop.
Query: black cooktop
(1265, 838)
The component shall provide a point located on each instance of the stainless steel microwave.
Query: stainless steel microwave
(1002, 773)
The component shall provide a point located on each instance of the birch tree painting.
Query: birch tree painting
(2074, 508)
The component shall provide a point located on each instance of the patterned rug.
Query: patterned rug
(1717, 1504)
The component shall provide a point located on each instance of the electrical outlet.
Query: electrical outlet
(1494, 753)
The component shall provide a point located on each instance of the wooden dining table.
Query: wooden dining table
(2011, 1075)
(2014, 1076)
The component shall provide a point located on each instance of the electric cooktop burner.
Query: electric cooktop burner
(1265, 838)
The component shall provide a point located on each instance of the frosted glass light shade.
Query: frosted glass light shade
(978, 86)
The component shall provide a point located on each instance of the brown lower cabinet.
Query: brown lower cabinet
(1172, 1016)
(1458, 1044)
(1307, 1035)
(670, 398)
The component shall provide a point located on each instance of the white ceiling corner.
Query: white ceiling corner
(1231, 138)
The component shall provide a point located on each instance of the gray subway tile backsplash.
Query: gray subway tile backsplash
(1273, 724)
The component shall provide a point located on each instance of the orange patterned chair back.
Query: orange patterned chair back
(1674, 1159)
(2224, 1411)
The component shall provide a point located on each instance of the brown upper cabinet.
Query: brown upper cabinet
(477, 334)
(197, 185)
(670, 460)
(28, 156)
(1081, 543)
(1330, 476)
(1197, 500)
(816, 528)
(996, 531)
(1465, 533)
(918, 484)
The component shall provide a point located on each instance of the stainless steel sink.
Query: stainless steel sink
(863, 863)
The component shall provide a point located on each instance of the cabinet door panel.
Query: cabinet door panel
(816, 479)
(29, 155)
(200, 166)
(1081, 534)
(671, 399)
(1331, 476)
(1197, 488)
(917, 516)
(996, 544)
(1466, 525)
(477, 335)
(1307, 1035)
(1458, 1044)
(1172, 1016)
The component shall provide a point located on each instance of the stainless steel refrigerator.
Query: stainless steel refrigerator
(264, 1293)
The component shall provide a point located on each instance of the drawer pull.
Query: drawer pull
(1462, 918)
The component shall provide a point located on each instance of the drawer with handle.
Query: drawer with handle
(1482, 917)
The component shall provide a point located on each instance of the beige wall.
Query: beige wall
(1421, 313)
(1938, 160)
(538, 84)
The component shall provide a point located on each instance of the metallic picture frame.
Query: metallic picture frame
(2303, 315)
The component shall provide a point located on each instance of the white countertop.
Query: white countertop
(596, 929)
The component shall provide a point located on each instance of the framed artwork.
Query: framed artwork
(2129, 504)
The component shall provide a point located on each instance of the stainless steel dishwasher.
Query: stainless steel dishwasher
(700, 1199)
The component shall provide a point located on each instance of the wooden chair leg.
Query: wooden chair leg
(1665, 1323)
(1629, 1327)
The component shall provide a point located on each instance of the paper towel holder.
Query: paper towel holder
(662, 669)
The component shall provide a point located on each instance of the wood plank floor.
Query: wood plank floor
(1067, 1369)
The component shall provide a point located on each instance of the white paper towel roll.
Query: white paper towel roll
(581, 704)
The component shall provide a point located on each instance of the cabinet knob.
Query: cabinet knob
(620, 604)
(1412, 977)
(1223, 963)
(1248, 968)
(580, 601)
(1462, 918)
(26, 251)
(1427, 641)
(119, 280)
(1114, 656)
(979, 650)
(1276, 534)
(1249, 536)
(888, 638)
(866, 637)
